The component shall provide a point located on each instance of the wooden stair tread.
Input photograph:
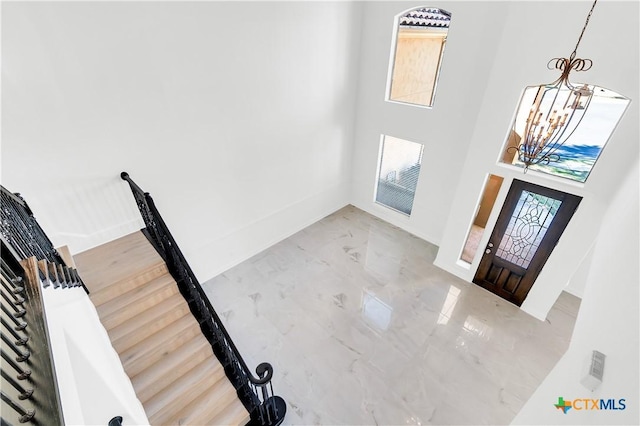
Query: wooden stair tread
(108, 293)
(153, 348)
(135, 295)
(190, 386)
(148, 322)
(135, 280)
(233, 414)
(218, 398)
(116, 261)
(172, 366)
(154, 295)
(219, 402)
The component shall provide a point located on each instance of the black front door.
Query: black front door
(530, 224)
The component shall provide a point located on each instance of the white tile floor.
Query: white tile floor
(361, 328)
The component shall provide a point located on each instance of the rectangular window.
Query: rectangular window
(398, 173)
(483, 210)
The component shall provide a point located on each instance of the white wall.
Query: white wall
(520, 60)
(237, 117)
(445, 130)
(578, 281)
(608, 321)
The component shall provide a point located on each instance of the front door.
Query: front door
(530, 224)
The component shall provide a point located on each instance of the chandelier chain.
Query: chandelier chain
(573, 54)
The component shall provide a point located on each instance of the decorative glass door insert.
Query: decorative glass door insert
(527, 227)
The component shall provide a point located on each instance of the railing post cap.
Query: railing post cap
(124, 175)
(116, 421)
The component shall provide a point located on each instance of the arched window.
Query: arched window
(420, 36)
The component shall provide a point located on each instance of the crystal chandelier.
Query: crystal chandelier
(556, 111)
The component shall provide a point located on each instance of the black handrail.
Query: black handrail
(256, 393)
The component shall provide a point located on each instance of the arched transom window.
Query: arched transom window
(420, 37)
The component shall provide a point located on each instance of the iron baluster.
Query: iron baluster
(20, 340)
(22, 373)
(24, 393)
(18, 312)
(26, 359)
(12, 280)
(19, 325)
(25, 415)
(12, 294)
(21, 356)
(23, 234)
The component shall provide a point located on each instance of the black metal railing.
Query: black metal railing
(255, 392)
(29, 385)
(29, 263)
(25, 236)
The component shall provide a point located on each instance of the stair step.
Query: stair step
(135, 294)
(148, 351)
(171, 364)
(148, 322)
(171, 367)
(128, 258)
(197, 381)
(233, 414)
(104, 295)
(135, 302)
(217, 402)
(66, 256)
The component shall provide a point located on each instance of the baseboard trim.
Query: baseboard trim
(215, 257)
(78, 243)
(399, 221)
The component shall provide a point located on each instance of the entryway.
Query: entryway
(530, 224)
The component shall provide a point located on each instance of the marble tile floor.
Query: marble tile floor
(361, 328)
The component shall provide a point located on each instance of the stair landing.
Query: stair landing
(123, 259)
(172, 367)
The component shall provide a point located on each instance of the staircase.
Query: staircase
(171, 364)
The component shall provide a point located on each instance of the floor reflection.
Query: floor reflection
(448, 305)
(375, 311)
(477, 328)
(361, 328)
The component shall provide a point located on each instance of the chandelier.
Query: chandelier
(555, 112)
